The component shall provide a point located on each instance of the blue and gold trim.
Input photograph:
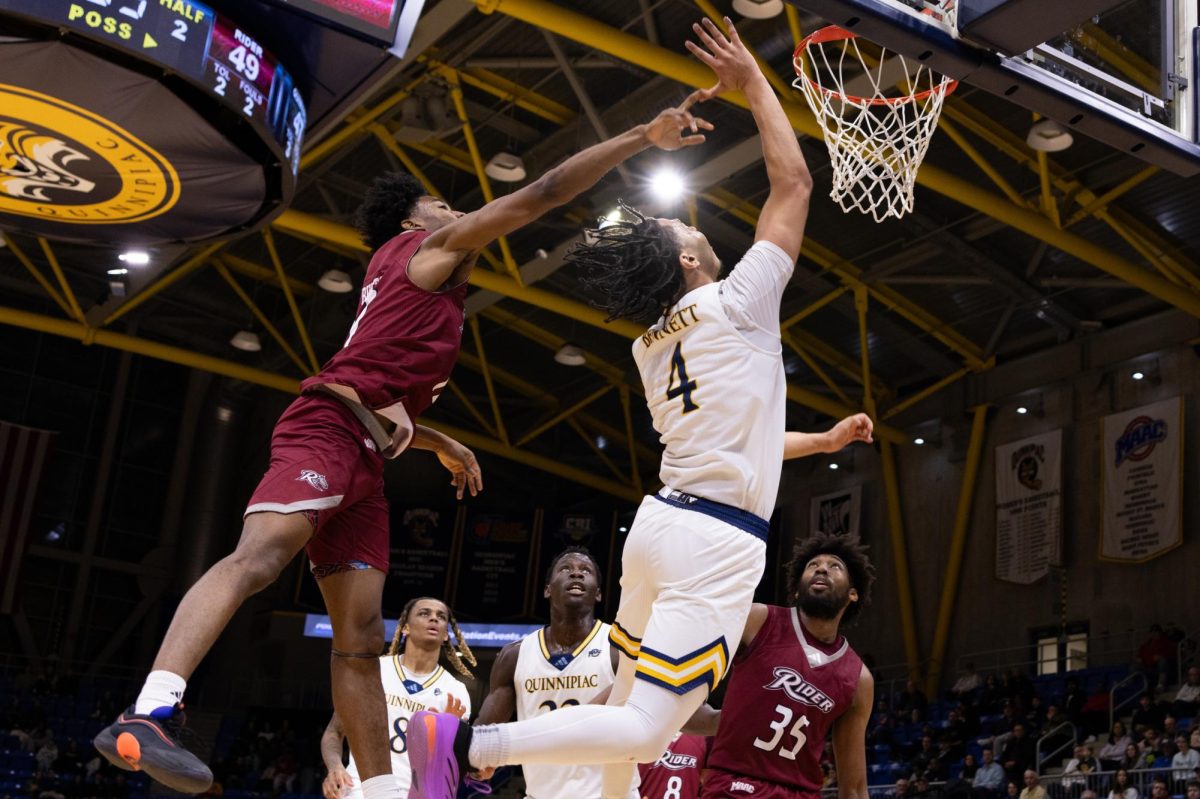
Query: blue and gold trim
(703, 667)
(625, 643)
(583, 645)
(405, 678)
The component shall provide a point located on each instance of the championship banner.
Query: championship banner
(496, 561)
(1141, 514)
(421, 550)
(1029, 508)
(839, 512)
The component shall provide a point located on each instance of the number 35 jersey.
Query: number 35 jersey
(784, 696)
(544, 683)
(712, 369)
(406, 693)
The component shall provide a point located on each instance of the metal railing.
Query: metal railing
(1058, 786)
(1067, 745)
(1104, 649)
(1115, 705)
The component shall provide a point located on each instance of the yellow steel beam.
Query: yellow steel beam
(446, 153)
(485, 184)
(389, 141)
(634, 471)
(248, 301)
(793, 20)
(958, 545)
(472, 408)
(591, 33)
(357, 124)
(1049, 204)
(301, 328)
(554, 343)
(570, 410)
(261, 274)
(812, 308)
(816, 367)
(166, 281)
(864, 346)
(908, 402)
(1127, 62)
(487, 379)
(36, 273)
(509, 91)
(56, 268)
(599, 453)
(956, 136)
(904, 594)
(1103, 201)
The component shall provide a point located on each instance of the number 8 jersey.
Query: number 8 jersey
(785, 695)
(712, 368)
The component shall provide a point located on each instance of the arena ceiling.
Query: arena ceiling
(1007, 253)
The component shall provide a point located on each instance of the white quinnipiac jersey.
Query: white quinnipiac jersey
(406, 693)
(712, 368)
(545, 683)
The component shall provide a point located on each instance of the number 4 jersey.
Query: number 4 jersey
(406, 693)
(712, 368)
(786, 693)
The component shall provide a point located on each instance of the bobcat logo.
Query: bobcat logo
(32, 162)
(314, 479)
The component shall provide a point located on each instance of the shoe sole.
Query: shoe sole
(434, 774)
(124, 751)
(106, 745)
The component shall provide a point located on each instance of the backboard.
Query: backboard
(1124, 75)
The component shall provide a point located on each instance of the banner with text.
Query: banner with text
(422, 541)
(495, 569)
(838, 512)
(1029, 508)
(1142, 465)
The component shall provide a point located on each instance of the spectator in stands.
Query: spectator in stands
(989, 779)
(1134, 757)
(902, 790)
(969, 768)
(1192, 789)
(1185, 760)
(1075, 774)
(1033, 788)
(1019, 753)
(1113, 750)
(1148, 714)
(921, 788)
(1088, 793)
(1159, 789)
(1187, 698)
(1073, 701)
(1122, 788)
(965, 685)
(1194, 737)
(1154, 656)
(926, 752)
(912, 700)
(1054, 739)
(47, 753)
(935, 771)
(953, 739)
(1151, 744)
(1011, 791)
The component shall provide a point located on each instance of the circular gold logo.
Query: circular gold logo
(63, 163)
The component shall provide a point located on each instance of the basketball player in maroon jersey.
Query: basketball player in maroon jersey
(795, 680)
(678, 774)
(323, 491)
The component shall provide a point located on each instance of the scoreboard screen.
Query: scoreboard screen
(375, 18)
(191, 39)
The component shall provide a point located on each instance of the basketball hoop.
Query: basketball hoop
(876, 142)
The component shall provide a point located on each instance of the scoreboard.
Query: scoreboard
(194, 41)
(374, 18)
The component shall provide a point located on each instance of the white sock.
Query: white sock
(382, 787)
(162, 689)
(489, 747)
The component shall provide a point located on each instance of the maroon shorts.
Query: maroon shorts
(719, 784)
(323, 463)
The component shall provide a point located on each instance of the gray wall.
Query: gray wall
(1071, 387)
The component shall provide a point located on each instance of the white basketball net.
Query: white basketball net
(876, 142)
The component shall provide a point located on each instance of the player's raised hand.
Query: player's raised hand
(465, 473)
(725, 55)
(455, 706)
(858, 427)
(666, 131)
(337, 784)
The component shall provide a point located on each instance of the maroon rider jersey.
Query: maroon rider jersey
(404, 340)
(786, 692)
(675, 775)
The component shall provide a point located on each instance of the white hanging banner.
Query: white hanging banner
(838, 512)
(1029, 508)
(1141, 514)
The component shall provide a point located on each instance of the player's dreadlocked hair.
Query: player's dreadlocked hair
(581, 551)
(846, 548)
(389, 200)
(456, 652)
(630, 266)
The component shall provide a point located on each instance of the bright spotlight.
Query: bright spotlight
(1022, 410)
(668, 185)
(833, 466)
(1138, 375)
(135, 257)
(918, 441)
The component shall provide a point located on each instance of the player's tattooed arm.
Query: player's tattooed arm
(849, 740)
(338, 781)
(858, 427)
(465, 473)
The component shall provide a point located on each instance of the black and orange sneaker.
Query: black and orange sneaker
(153, 744)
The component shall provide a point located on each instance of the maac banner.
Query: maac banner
(1142, 460)
(1029, 508)
(838, 512)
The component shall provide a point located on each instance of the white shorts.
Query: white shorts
(687, 583)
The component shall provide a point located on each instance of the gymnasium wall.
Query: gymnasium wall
(1070, 387)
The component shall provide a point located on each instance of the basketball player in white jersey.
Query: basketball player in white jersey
(413, 679)
(712, 368)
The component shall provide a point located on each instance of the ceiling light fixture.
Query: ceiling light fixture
(118, 272)
(918, 441)
(758, 9)
(1048, 136)
(1022, 410)
(505, 167)
(135, 257)
(1138, 375)
(245, 341)
(335, 281)
(668, 185)
(570, 355)
(833, 466)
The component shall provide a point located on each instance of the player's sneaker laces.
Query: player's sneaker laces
(156, 746)
(438, 744)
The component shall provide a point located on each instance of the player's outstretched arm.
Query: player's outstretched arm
(853, 428)
(850, 740)
(446, 248)
(337, 781)
(786, 209)
(465, 473)
(501, 702)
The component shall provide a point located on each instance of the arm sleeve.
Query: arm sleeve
(752, 292)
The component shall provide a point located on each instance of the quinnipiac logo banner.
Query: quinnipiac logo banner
(1141, 515)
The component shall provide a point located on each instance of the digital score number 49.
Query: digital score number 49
(114, 25)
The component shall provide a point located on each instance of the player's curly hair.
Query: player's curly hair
(846, 548)
(389, 200)
(630, 267)
(573, 550)
(455, 649)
